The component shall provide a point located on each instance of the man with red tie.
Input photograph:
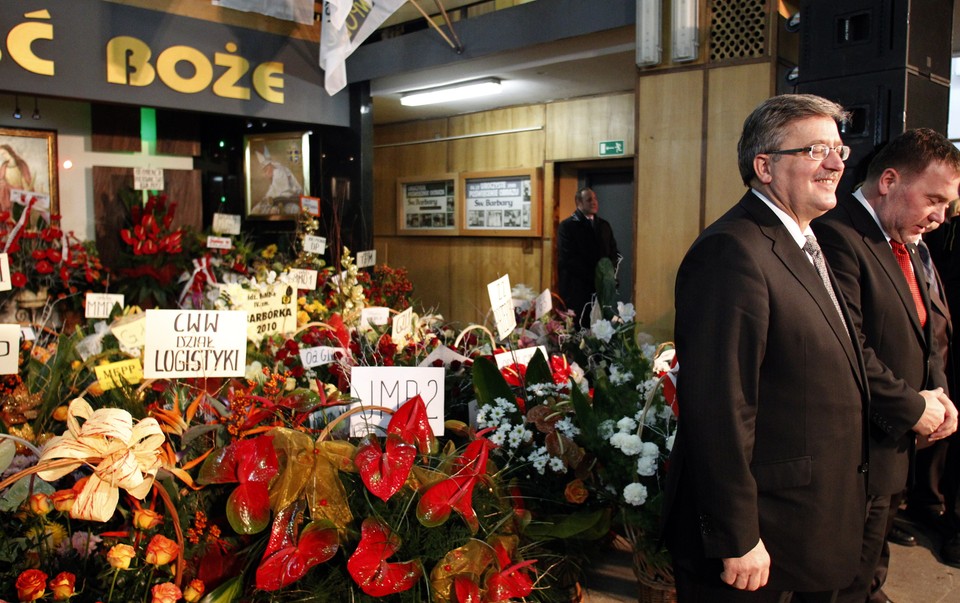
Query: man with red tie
(869, 241)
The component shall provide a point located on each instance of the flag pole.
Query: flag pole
(436, 27)
(446, 18)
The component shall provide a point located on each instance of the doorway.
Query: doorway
(614, 189)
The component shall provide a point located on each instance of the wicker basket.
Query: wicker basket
(656, 585)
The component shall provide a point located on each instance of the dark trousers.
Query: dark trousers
(879, 518)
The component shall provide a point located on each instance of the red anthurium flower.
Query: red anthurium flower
(510, 583)
(514, 374)
(253, 463)
(466, 589)
(368, 565)
(452, 494)
(411, 423)
(288, 558)
(384, 473)
(18, 279)
(44, 267)
(560, 369)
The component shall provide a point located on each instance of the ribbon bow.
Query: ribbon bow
(201, 275)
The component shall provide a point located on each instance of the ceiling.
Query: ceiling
(587, 65)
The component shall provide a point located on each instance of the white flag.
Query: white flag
(300, 11)
(346, 24)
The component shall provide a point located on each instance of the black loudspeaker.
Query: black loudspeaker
(882, 105)
(850, 37)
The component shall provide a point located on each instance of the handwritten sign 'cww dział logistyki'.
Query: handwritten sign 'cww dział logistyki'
(195, 343)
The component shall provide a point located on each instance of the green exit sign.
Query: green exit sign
(611, 147)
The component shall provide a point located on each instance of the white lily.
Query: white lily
(123, 455)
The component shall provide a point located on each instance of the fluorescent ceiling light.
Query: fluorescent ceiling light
(453, 92)
(648, 32)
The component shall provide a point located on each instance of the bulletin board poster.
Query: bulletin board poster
(501, 204)
(428, 206)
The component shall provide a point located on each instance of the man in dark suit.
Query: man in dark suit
(766, 492)
(908, 186)
(583, 240)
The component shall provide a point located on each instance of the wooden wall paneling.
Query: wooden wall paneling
(733, 94)
(430, 129)
(184, 188)
(576, 127)
(393, 162)
(108, 210)
(501, 151)
(114, 128)
(669, 135)
(178, 133)
(428, 266)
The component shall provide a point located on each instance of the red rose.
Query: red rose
(63, 586)
(44, 267)
(31, 584)
(18, 279)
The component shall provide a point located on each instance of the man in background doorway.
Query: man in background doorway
(584, 239)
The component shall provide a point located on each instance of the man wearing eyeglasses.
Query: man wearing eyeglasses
(766, 492)
(869, 240)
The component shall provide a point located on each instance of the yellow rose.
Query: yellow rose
(119, 556)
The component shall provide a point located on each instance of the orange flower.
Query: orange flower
(40, 504)
(146, 519)
(119, 556)
(161, 550)
(165, 593)
(31, 584)
(194, 591)
(63, 586)
(60, 413)
(63, 500)
(576, 492)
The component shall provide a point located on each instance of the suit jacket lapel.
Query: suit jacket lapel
(799, 265)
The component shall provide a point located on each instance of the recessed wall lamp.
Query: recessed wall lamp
(16, 107)
(36, 109)
(649, 47)
(452, 92)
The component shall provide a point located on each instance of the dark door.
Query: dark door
(614, 189)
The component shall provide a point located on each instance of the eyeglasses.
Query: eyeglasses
(817, 152)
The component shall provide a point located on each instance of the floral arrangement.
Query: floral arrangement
(152, 255)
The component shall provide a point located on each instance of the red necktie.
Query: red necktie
(903, 258)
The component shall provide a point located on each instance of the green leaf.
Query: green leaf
(538, 370)
(585, 415)
(586, 525)
(227, 592)
(606, 283)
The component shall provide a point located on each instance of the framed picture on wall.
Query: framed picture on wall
(277, 173)
(504, 203)
(427, 205)
(28, 164)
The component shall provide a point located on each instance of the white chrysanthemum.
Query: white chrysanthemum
(496, 416)
(618, 376)
(606, 429)
(567, 428)
(626, 311)
(538, 458)
(629, 443)
(482, 416)
(668, 443)
(666, 413)
(496, 437)
(556, 464)
(646, 465)
(602, 330)
(650, 449)
(635, 494)
(254, 372)
(626, 424)
(648, 350)
(505, 405)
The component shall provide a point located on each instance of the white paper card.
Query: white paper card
(443, 354)
(219, 242)
(320, 355)
(402, 325)
(228, 224)
(302, 278)
(271, 310)
(99, 305)
(310, 205)
(501, 302)
(374, 315)
(543, 304)
(28, 333)
(391, 386)
(521, 356)
(130, 332)
(365, 259)
(5, 284)
(195, 343)
(314, 244)
(9, 348)
(148, 179)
